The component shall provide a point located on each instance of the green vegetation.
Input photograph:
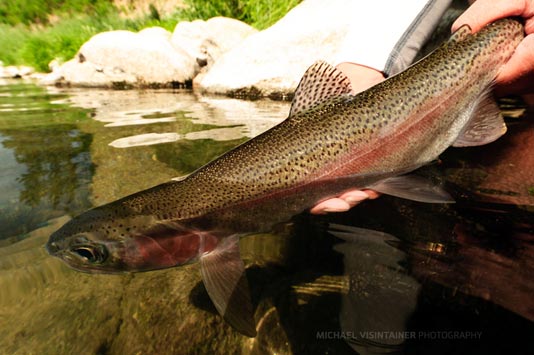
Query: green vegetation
(14, 12)
(258, 13)
(34, 32)
(38, 44)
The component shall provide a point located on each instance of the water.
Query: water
(435, 279)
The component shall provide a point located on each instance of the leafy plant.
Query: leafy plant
(14, 12)
(258, 13)
(37, 48)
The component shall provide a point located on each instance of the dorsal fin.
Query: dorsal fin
(485, 126)
(320, 82)
(460, 34)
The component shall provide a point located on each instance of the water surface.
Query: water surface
(433, 279)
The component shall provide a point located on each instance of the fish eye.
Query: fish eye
(94, 255)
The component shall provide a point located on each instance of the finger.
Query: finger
(354, 197)
(483, 12)
(372, 194)
(361, 77)
(517, 75)
(330, 205)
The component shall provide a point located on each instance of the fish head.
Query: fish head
(87, 243)
(99, 241)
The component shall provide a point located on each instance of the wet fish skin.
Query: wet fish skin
(315, 143)
(332, 141)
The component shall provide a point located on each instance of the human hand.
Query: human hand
(361, 78)
(516, 76)
(344, 202)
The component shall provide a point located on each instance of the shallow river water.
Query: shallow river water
(421, 279)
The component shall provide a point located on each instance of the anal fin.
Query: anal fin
(223, 273)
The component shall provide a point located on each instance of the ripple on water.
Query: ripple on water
(145, 139)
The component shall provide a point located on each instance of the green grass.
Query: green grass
(37, 47)
(28, 37)
(14, 12)
(258, 13)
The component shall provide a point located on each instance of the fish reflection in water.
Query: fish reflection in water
(453, 279)
(456, 278)
(382, 294)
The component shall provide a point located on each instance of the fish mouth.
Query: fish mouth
(85, 257)
(52, 248)
(79, 263)
(68, 258)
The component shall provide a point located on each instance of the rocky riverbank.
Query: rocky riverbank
(217, 56)
(220, 55)
(153, 57)
(15, 71)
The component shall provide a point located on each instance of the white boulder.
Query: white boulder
(271, 62)
(152, 57)
(13, 71)
(124, 58)
(207, 40)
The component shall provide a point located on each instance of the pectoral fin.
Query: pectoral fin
(485, 126)
(412, 187)
(223, 273)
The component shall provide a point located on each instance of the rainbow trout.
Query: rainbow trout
(332, 141)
